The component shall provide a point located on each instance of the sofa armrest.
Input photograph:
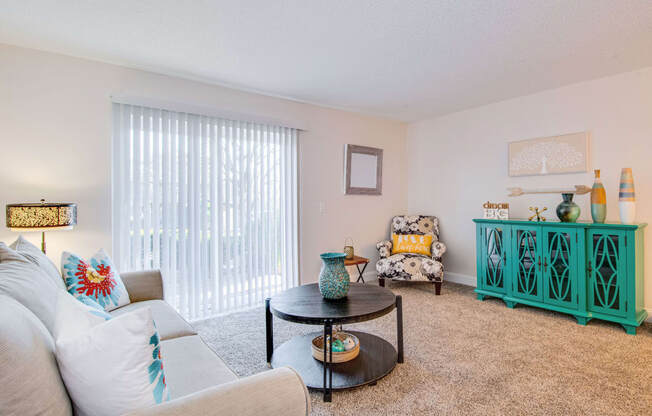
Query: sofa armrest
(143, 285)
(384, 248)
(278, 392)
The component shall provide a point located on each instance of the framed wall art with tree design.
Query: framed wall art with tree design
(568, 153)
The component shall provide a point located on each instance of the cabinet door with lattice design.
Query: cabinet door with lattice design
(526, 262)
(607, 271)
(493, 268)
(560, 266)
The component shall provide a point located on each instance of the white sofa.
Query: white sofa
(198, 380)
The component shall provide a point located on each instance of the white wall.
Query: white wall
(459, 161)
(55, 137)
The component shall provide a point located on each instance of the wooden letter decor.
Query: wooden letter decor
(493, 211)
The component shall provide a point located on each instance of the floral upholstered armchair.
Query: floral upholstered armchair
(412, 266)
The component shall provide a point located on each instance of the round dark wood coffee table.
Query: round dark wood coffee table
(305, 305)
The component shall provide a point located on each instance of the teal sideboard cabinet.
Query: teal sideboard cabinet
(584, 269)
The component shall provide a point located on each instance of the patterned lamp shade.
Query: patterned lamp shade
(41, 216)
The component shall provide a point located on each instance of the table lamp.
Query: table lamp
(43, 216)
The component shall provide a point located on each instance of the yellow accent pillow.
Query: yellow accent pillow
(411, 243)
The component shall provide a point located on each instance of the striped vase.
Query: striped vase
(598, 200)
(626, 197)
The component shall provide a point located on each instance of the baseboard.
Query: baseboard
(463, 279)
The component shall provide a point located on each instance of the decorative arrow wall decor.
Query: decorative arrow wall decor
(579, 190)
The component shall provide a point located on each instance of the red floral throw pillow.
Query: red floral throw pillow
(96, 279)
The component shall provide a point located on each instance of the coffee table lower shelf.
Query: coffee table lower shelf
(377, 358)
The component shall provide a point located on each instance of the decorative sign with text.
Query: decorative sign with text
(495, 211)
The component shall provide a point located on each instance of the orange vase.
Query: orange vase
(598, 200)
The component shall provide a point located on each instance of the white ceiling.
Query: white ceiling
(403, 59)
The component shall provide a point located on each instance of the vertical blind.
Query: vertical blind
(210, 202)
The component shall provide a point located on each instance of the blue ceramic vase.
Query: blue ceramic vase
(333, 278)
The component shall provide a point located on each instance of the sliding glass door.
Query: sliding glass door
(211, 202)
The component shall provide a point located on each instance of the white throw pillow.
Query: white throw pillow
(97, 279)
(28, 284)
(114, 367)
(36, 256)
(74, 317)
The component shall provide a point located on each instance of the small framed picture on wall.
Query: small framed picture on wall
(363, 170)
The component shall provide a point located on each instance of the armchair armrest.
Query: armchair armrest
(143, 285)
(437, 250)
(384, 248)
(278, 392)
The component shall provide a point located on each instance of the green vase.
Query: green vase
(333, 278)
(568, 211)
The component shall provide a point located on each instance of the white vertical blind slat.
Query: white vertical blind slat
(272, 207)
(228, 225)
(194, 294)
(205, 224)
(137, 253)
(117, 146)
(220, 216)
(147, 187)
(265, 218)
(256, 255)
(247, 210)
(242, 183)
(156, 189)
(214, 253)
(190, 226)
(288, 209)
(243, 276)
(294, 218)
(126, 168)
(283, 179)
(234, 214)
(171, 277)
(166, 193)
(183, 282)
(209, 201)
(275, 220)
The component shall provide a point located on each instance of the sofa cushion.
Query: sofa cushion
(21, 280)
(29, 375)
(190, 366)
(168, 322)
(409, 266)
(36, 256)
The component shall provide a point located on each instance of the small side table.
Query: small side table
(357, 261)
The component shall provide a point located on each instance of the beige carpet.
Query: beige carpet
(463, 356)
